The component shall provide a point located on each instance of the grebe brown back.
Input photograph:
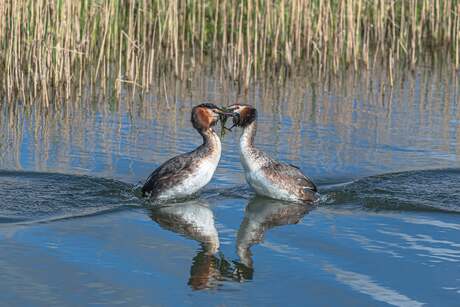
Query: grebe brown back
(187, 173)
(264, 174)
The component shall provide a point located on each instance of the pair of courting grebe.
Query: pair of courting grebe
(187, 173)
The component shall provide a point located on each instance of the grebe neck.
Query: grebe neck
(211, 140)
(248, 135)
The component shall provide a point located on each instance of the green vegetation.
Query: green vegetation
(57, 49)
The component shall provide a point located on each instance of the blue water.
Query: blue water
(73, 230)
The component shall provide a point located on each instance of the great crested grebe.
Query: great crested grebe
(187, 173)
(265, 175)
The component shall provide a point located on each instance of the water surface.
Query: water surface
(73, 230)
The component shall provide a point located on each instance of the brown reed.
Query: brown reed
(54, 50)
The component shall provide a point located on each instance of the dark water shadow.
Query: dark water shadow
(36, 197)
(262, 214)
(424, 190)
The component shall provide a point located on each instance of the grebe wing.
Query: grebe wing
(289, 172)
(169, 172)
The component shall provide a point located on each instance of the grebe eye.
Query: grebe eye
(236, 118)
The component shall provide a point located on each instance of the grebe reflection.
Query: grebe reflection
(195, 220)
(261, 214)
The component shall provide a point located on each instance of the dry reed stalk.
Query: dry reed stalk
(51, 49)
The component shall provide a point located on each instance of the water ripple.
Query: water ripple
(426, 190)
(37, 197)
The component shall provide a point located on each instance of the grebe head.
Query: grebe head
(243, 114)
(206, 115)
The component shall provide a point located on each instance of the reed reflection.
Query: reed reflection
(195, 220)
(262, 214)
(353, 125)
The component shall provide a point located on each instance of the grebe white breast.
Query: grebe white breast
(187, 173)
(264, 174)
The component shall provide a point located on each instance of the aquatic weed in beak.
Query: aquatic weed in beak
(223, 116)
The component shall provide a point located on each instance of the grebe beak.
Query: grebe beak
(224, 114)
(236, 119)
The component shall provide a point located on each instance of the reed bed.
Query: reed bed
(56, 50)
